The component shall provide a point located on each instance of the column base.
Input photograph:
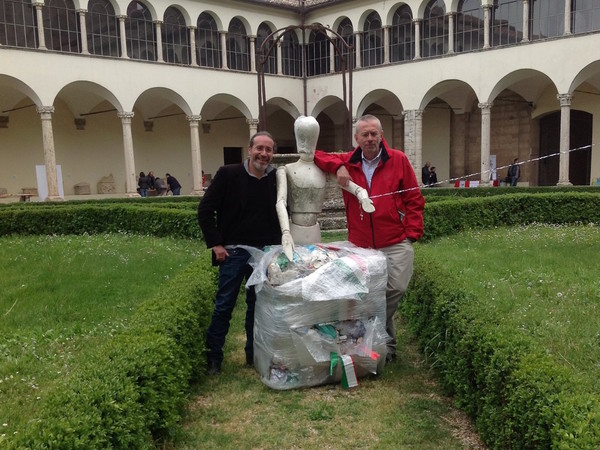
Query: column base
(197, 192)
(54, 198)
(132, 195)
(564, 183)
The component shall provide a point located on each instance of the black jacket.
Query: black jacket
(238, 208)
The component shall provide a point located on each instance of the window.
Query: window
(585, 16)
(291, 56)
(140, 32)
(270, 65)
(317, 54)
(208, 45)
(175, 37)
(372, 41)
(435, 29)
(469, 26)
(345, 30)
(507, 22)
(402, 35)
(102, 28)
(17, 24)
(61, 26)
(546, 18)
(238, 50)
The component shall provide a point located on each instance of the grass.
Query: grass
(61, 295)
(540, 281)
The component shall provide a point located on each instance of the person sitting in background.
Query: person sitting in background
(160, 186)
(432, 177)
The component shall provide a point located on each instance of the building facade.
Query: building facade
(97, 90)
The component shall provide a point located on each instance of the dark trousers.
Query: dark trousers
(231, 274)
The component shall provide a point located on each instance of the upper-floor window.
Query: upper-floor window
(61, 26)
(507, 22)
(469, 26)
(435, 29)
(372, 41)
(585, 16)
(238, 48)
(208, 44)
(102, 28)
(17, 23)
(345, 45)
(317, 54)
(546, 18)
(175, 37)
(269, 50)
(140, 32)
(291, 54)
(402, 35)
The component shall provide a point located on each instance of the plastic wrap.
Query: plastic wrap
(321, 317)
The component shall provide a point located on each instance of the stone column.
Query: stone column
(196, 158)
(332, 54)
(83, 32)
(568, 29)
(45, 113)
(417, 23)
(413, 137)
(486, 110)
(487, 11)
(565, 138)
(526, 21)
(386, 44)
(358, 51)
(451, 18)
(253, 126)
(123, 36)
(193, 60)
(130, 184)
(224, 49)
(277, 48)
(159, 49)
(252, 40)
(40, 25)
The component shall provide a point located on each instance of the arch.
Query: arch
(217, 104)
(61, 26)
(402, 34)
(154, 101)
(238, 45)
(434, 33)
(208, 42)
(270, 64)
(102, 27)
(140, 31)
(459, 95)
(83, 97)
(9, 100)
(382, 97)
(175, 36)
(528, 83)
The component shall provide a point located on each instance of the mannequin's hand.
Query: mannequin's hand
(287, 242)
(365, 202)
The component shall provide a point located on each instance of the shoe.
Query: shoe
(213, 368)
(250, 360)
(390, 357)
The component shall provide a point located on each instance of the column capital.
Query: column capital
(82, 11)
(192, 27)
(252, 122)
(194, 118)
(413, 113)
(45, 109)
(125, 115)
(122, 17)
(417, 20)
(451, 13)
(485, 106)
(38, 4)
(565, 99)
(157, 22)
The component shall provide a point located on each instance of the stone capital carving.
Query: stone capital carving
(195, 118)
(565, 99)
(486, 106)
(45, 109)
(125, 115)
(252, 122)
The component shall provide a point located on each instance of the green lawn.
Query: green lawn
(60, 295)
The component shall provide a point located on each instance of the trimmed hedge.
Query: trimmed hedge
(518, 397)
(130, 391)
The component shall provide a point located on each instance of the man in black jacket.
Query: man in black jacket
(238, 208)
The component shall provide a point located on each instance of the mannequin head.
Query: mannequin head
(306, 129)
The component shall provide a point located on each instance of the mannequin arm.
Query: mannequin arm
(287, 241)
(362, 195)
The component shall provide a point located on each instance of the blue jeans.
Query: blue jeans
(231, 274)
(144, 192)
(176, 191)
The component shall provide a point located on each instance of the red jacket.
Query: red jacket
(398, 215)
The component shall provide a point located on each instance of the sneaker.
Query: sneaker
(213, 368)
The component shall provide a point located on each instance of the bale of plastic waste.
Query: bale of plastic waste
(320, 318)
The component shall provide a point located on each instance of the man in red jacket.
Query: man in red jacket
(397, 221)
